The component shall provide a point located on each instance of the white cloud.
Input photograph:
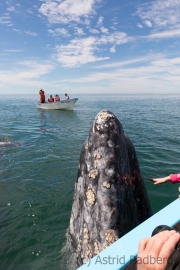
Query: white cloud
(29, 11)
(26, 32)
(93, 31)
(115, 38)
(113, 49)
(87, 21)
(115, 20)
(82, 51)
(104, 30)
(163, 14)
(114, 28)
(139, 60)
(149, 77)
(78, 52)
(148, 23)
(79, 31)
(17, 30)
(13, 51)
(25, 74)
(139, 25)
(30, 33)
(167, 62)
(100, 21)
(59, 32)
(164, 34)
(6, 20)
(11, 8)
(68, 10)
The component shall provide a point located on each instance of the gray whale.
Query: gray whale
(5, 143)
(110, 197)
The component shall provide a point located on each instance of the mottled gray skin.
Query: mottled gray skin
(6, 143)
(110, 197)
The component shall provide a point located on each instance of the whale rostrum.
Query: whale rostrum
(110, 197)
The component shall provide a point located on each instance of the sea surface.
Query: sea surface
(39, 160)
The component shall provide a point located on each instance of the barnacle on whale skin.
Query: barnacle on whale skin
(103, 115)
(110, 238)
(86, 146)
(88, 251)
(97, 155)
(95, 164)
(96, 248)
(86, 238)
(90, 195)
(107, 185)
(93, 174)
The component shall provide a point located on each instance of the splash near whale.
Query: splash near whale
(110, 197)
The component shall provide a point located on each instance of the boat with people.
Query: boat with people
(58, 105)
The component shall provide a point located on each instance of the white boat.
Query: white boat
(58, 105)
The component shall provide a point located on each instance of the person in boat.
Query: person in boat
(173, 178)
(57, 98)
(50, 99)
(66, 96)
(42, 96)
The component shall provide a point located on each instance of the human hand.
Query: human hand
(154, 252)
(160, 180)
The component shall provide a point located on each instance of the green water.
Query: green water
(38, 167)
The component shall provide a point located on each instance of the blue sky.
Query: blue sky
(90, 46)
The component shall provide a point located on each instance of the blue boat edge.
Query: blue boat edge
(124, 250)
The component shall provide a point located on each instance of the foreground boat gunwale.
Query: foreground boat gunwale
(127, 246)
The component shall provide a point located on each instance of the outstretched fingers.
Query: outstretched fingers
(158, 180)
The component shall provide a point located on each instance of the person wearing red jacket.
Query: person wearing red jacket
(42, 96)
(50, 99)
(57, 98)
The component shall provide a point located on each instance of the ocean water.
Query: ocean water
(39, 160)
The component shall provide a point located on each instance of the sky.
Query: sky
(90, 46)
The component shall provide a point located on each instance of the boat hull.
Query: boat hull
(59, 105)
